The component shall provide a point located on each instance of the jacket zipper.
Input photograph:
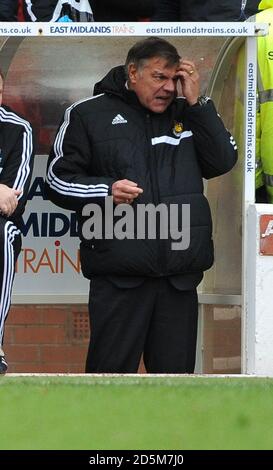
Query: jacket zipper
(161, 254)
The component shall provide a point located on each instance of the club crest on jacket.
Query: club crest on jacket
(177, 128)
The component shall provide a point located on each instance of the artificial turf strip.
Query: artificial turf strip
(136, 413)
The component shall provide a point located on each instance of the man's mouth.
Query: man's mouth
(163, 98)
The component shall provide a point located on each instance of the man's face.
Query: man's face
(154, 83)
(1, 90)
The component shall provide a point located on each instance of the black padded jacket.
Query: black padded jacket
(122, 10)
(8, 10)
(204, 10)
(111, 137)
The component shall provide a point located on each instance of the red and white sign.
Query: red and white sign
(266, 235)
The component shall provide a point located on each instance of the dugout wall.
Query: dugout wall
(46, 74)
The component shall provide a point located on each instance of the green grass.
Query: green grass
(136, 413)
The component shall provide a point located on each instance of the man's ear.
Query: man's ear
(132, 73)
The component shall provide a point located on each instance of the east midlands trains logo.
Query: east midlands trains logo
(91, 29)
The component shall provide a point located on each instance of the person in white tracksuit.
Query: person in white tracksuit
(16, 162)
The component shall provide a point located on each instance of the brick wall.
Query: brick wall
(54, 339)
(46, 338)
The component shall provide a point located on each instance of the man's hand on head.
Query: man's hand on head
(125, 191)
(8, 200)
(189, 78)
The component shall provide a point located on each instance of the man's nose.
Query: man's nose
(169, 85)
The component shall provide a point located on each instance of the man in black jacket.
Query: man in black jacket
(122, 10)
(16, 161)
(204, 10)
(147, 149)
(8, 10)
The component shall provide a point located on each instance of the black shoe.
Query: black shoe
(3, 365)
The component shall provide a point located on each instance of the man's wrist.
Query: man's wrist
(193, 102)
(202, 100)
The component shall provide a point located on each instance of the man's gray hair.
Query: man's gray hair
(149, 48)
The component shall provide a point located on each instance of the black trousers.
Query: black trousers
(154, 318)
(10, 246)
